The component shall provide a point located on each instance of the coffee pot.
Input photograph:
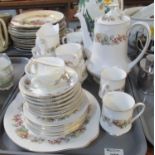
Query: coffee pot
(3, 36)
(110, 42)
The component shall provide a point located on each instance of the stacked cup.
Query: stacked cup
(72, 54)
(118, 107)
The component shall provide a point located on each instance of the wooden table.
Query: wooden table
(27, 4)
(150, 150)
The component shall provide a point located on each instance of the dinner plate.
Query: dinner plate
(36, 18)
(67, 94)
(56, 113)
(56, 103)
(17, 131)
(56, 122)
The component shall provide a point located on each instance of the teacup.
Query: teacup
(112, 79)
(71, 53)
(6, 72)
(73, 37)
(117, 112)
(45, 69)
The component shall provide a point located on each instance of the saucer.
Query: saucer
(17, 131)
(64, 85)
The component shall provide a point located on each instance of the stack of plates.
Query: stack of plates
(23, 27)
(56, 112)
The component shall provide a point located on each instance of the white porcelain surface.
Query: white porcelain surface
(117, 112)
(72, 54)
(6, 72)
(110, 43)
(112, 79)
(36, 18)
(43, 68)
(61, 86)
(15, 128)
(73, 37)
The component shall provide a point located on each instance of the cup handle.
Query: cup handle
(64, 40)
(103, 89)
(146, 26)
(140, 113)
(30, 63)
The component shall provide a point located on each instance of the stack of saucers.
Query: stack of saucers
(23, 27)
(57, 110)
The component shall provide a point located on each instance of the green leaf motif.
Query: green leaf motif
(82, 3)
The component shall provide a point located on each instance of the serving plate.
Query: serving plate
(17, 131)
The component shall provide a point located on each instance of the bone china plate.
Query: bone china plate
(36, 18)
(15, 128)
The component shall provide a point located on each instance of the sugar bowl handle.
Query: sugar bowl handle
(103, 89)
(146, 26)
(139, 113)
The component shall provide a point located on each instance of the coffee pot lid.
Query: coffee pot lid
(113, 17)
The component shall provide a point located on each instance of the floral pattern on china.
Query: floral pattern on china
(104, 39)
(37, 18)
(119, 123)
(24, 133)
(16, 128)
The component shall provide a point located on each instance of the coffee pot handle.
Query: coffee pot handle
(146, 26)
(5, 37)
(139, 113)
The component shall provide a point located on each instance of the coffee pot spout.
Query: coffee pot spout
(85, 33)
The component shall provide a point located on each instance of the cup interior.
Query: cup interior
(113, 73)
(69, 49)
(118, 101)
(46, 66)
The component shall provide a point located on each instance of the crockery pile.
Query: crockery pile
(23, 27)
(54, 107)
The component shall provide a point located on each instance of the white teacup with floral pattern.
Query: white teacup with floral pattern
(117, 112)
(112, 79)
(73, 37)
(45, 71)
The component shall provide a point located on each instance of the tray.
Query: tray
(131, 143)
(147, 118)
(14, 52)
(18, 65)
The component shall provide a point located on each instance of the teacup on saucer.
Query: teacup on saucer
(45, 66)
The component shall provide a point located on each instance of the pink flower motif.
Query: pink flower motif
(17, 120)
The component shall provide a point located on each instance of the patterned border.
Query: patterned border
(24, 133)
(104, 39)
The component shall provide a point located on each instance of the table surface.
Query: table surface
(15, 4)
(150, 150)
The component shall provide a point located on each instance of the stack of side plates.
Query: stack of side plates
(23, 27)
(59, 110)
